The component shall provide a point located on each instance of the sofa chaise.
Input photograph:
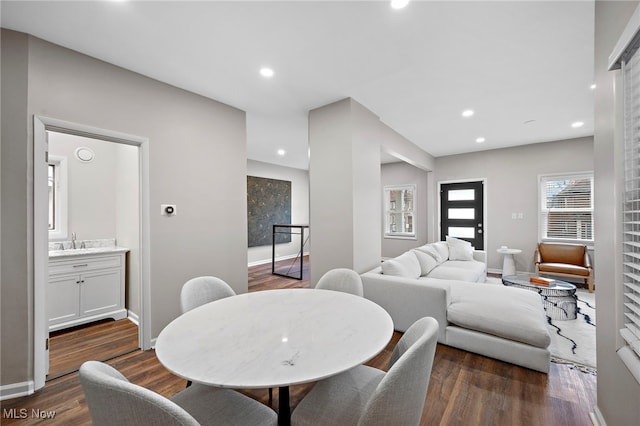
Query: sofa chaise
(504, 323)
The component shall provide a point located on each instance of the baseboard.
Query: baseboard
(16, 390)
(596, 417)
(263, 261)
(133, 317)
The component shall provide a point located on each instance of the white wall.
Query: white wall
(618, 392)
(299, 209)
(127, 211)
(91, 186)
(511, 186)
(402, 173)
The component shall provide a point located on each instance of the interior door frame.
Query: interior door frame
(40, 232)
(484, 205)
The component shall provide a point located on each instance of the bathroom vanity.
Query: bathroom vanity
(85, 285)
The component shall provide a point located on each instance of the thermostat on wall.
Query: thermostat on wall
(168, 209)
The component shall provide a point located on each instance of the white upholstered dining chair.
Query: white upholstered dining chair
(368, 396)
(200, 290)
(341, 279)
(113, 400)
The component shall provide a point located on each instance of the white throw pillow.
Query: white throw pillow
(459, 249)
(432, 251)
(443, 249)
(427, 262)
(405, 265)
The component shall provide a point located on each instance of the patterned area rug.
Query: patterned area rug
(573, 342)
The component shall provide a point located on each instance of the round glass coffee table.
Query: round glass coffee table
(558, 298)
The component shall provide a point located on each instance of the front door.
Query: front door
(461, 212)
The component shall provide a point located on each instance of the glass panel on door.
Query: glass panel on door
(460, 232)
(461, 195)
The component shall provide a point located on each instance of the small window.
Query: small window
(566, 207)
(57, 173)
(400, 202)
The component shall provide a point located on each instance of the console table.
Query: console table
(291, 230)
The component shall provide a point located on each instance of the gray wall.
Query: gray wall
(197, 156)
(511, 186)
(405, 174)
(17, 264)
(299, 208)
(618, 392)
(345, 141)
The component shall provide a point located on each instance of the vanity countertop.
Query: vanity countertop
(53, 254)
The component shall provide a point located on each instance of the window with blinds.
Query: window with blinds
(631, 213)
(566, 207)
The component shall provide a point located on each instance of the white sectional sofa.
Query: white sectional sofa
(504, 323)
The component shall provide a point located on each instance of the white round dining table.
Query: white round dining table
(274, 338)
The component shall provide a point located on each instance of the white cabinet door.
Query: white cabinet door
(83, 289)
(100, 292)
(63, 298)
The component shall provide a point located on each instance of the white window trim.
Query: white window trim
(541, 203)
(400, 235)
(624, 50)
(61, 213)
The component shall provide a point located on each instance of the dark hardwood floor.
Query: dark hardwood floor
(465, 389)
(101, 340)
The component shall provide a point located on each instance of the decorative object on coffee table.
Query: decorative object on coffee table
(558, 297)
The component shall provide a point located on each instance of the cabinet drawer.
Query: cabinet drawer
(84, 264)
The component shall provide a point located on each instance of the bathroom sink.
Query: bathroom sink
(85, 251)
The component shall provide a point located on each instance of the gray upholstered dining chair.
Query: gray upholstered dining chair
(341, 279)
(113, 400)
(200, 290)
(368, 396)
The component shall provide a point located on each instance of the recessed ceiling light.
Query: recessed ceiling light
(593, 86)
(577, 124)
(399, 4)
(480, 140)
(281, 152)
(467, 113)
(266, 72)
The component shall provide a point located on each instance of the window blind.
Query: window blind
(567, 207)
(631, 210)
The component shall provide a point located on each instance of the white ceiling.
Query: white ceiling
(416, 68)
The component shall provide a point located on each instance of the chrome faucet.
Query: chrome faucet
(73, 240)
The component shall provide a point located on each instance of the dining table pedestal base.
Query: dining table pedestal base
(284, 409)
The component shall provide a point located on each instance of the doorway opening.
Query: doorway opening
(93, 204)
(106, 201)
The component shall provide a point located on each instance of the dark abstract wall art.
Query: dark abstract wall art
(268, 203)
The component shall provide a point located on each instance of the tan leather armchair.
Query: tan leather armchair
(565, 260)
